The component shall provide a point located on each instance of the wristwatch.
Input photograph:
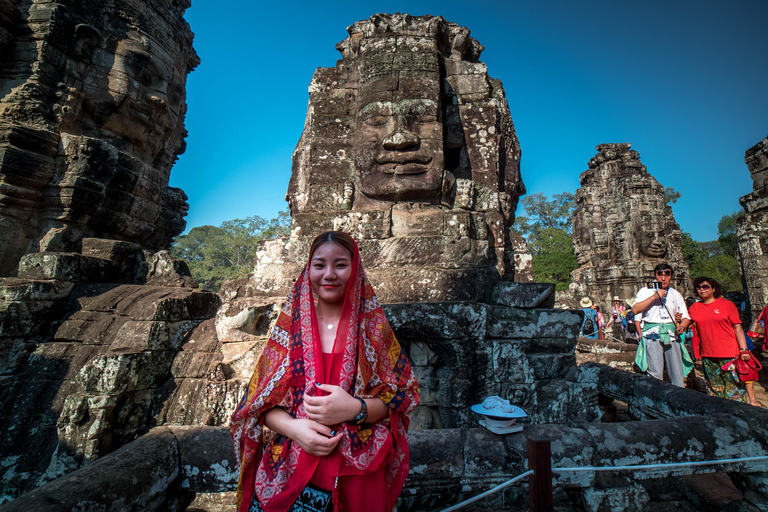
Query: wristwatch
(363, 415)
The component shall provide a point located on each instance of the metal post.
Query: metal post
(540, 482)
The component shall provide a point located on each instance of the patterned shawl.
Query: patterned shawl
(372, 365)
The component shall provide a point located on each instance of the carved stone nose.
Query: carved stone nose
(401, 139)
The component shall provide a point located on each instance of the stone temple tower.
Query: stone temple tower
(409, 146)
(753, 228)
(622, 227)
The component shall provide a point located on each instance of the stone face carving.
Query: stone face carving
(409, 146)
(753, 228)
(622, 227)
(92, 104)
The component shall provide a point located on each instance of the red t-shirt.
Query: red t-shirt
(714, 322)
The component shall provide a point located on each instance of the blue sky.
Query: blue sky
(684, 82)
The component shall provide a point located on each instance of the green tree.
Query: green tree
(724, 268)
(544, 214)
(726, 232)
(716, 258)
(671, 195)
(217, 254)
(546, 226)
(555, 268)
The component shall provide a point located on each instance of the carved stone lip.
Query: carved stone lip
(404, 164)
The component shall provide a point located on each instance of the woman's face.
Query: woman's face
(705, 291)
(329, 272)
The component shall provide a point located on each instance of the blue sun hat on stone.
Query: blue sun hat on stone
(498, 412)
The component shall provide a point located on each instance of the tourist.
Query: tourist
(335, 391)
(589, 321)
(600, 323)
(628, 322)
(661, 337)
(720, 339)
(617, 318)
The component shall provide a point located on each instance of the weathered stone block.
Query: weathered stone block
(365, 225)
(71, 267)
(165, 269)
(524, 295)
(463, 320)
(207, 459)
(16, 290)
(510, 363)
(244, 319)
(551, 366)
(112, 374)
(416, 219)
(519, 323)
(116, 250)
(139, 475)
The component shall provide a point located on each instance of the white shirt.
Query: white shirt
(656, 313)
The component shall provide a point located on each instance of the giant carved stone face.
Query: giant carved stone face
(134, 95)
(399, 148)
(651, 239)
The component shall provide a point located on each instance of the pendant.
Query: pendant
(330, 326)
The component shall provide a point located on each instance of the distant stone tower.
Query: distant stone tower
(753, 228)
(409, 146)
(622, 227)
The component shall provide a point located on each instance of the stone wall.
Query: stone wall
(92, 105)
(409, 146)
(622, 228)
(752, 229)
(95, 349)
(449, 465)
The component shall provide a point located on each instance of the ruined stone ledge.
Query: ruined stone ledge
(524, 295)
(141, 475)
(446, 465)
(72, 267)
(649, 398)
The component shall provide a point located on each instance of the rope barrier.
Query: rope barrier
(489, 492)
(604, 468)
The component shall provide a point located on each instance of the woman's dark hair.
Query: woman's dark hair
(716, 288)
(338, 237)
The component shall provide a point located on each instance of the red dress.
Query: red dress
(363, 492)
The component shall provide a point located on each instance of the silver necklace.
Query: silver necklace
(329, 326)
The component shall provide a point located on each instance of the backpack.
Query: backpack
(631, 323)
(588, 327)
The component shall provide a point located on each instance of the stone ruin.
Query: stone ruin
(409, 146)
(622, 229)
(92, 105)
(752, 229)
(99, 346)
(98, 325)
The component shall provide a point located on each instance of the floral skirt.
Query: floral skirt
(723, 383)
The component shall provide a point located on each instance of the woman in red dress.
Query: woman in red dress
(333, 389)
(719, 339)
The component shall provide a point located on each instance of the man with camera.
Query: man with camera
(655, 308)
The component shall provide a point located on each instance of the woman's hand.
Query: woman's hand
(745, 356)
(336, 407)
(313, 437)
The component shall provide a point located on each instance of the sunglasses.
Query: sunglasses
(663, 272)
(703, 287)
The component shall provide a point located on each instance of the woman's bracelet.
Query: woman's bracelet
(744, 350)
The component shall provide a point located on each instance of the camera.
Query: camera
(654, 285)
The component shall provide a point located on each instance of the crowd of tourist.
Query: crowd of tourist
(672, 331)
